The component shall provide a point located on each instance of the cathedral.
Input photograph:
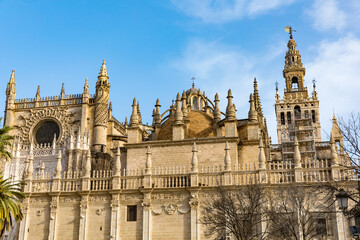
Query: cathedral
(90, 176)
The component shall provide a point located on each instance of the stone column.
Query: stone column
(84, 204)
(194, 215)
(146, 205)
(54, 204)
(24, 223)
(115, 217)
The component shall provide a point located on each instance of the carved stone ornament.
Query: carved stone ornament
(146, 204)
(59, 114)
(99, 211)
(39, 212)
(170, 209)
(193, 203)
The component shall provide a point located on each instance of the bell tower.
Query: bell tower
(297, 113)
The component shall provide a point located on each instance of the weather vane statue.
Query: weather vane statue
(289, 30)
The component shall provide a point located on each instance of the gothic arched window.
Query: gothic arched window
(195, 103)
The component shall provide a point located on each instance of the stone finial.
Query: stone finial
(227, 159)
(58, 165)
(194, 160)
(262, 157)
(157, 115)
(88, 165)
(62, 92)
(217, 113)
(38, 93)
(42, 170)
(252, 111)
(148, 163)
(54, 142)
(297, 155)
(134, 119)
(103, 71)
(184, 105)
(172, 108)
(178, 112)
(230, 109)
(30, 167)
(126, 122)
(117, 165)
(138, 112)
(12, 77)
(31, 153)
(334, 154)
(110, 110)
(11, 90)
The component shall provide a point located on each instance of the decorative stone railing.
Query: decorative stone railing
(72, 99)
(182, 177)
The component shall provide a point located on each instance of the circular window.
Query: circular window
(46, 130)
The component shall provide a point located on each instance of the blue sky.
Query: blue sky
(154, 47)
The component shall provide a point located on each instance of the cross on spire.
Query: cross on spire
(193, 81)
(277, 85)
(314, 82)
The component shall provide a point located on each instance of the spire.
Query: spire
(252, 111)
(58, 166)
(134, 119)
(178, 112)
(230, 109)
(217, 113)
(277, 95)
(126, 122)
(227, 159)
(117, 165)
(148, 163)
(157, 115)
(138, 113)
(88, 165)
(314, 93)
(62, 93)
(11, 89)
(194, 160)
(12, 77)
(38, 93)
(184, 105)
(262, 158)
(297, 155)
(258, 106)
(103, 75)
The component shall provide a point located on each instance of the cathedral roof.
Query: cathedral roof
(200, 125)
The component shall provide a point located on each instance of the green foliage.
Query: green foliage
(5, 143)
(10, 203)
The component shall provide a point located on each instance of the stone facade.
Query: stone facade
(90, 176)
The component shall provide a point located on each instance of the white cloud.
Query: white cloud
(336, 68)
(327, 15)
(221, 11)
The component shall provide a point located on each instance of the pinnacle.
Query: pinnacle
(103, 70)
(12, 78)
